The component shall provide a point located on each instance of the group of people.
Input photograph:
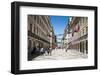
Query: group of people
(46, 51)
(41, 51)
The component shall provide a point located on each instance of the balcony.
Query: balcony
(37, 37)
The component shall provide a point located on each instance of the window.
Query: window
(29, 44)
(86, 30)
(82, 21)
(39, 22)
(79, 23)
(34, 18)
(31, 27)
(86, 47)
(34, 29)
(80, 33)
(87, 19)
(37, 19)
(83, 31)
(37, 30)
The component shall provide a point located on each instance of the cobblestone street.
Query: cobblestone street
(60, 54)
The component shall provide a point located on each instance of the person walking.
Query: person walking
(42, 51)
(50, 51)
(47, 51)
(33, 50)
(66, 49)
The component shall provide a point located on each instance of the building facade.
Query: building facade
(78, 31)
(54, 40)
(66, 37)
(40, 33)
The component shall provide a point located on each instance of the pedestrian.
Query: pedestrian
(33, 50)
(50, 51)
(37, 50)
(45, 51)
(66, 49)
(42, 50)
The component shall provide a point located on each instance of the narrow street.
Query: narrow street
(60, 54)
(56, 32)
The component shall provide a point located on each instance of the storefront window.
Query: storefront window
(86, 47)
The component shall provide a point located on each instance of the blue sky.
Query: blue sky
(59, 23)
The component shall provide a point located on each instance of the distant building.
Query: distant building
(66, 37)
(54, 40)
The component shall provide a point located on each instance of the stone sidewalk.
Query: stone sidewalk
(60, 54)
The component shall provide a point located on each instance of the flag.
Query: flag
(77, 28)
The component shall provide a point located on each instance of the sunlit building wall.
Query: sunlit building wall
(78, 31)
